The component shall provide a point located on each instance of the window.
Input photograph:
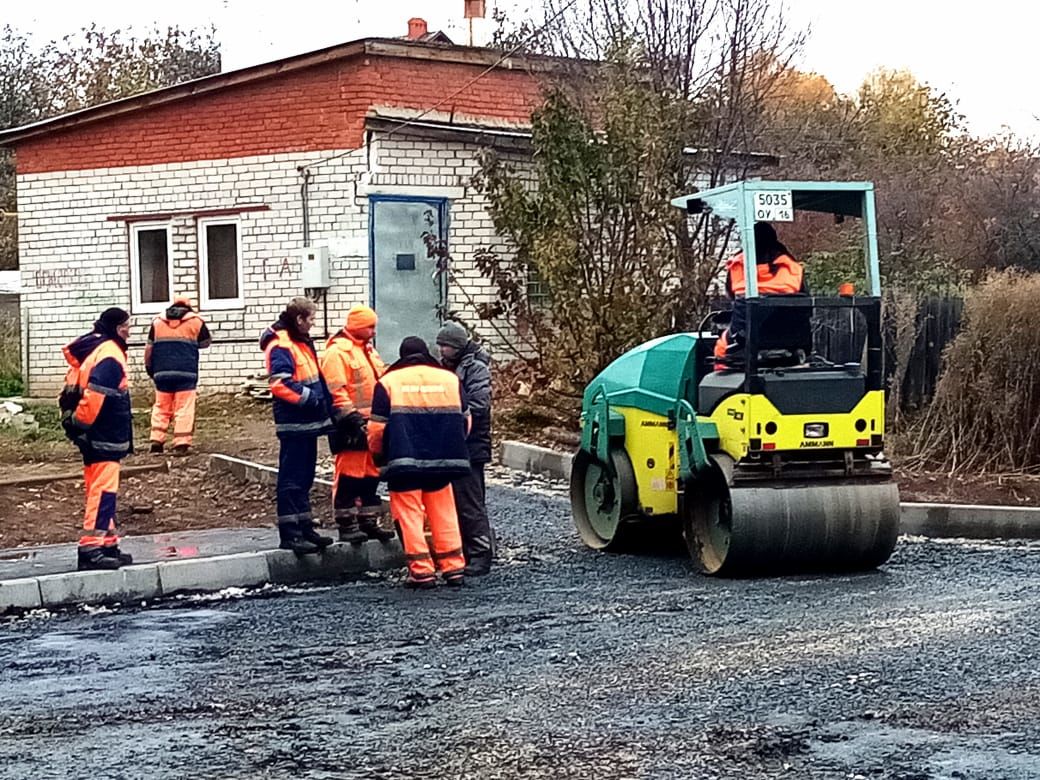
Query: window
(220, 263)
(151, 266)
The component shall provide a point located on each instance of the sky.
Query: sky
(982, 56)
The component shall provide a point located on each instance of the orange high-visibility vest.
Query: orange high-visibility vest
(783, 275)
(351, 369)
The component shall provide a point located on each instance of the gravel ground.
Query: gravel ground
(563, 664)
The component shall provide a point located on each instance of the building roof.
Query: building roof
(380, 47)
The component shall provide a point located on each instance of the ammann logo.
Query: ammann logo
(816, 443)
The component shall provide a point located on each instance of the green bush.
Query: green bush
(10, 384)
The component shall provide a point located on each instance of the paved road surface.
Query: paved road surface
(564, 664)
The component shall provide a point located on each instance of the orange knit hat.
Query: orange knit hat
(360, 317)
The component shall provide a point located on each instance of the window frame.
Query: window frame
(205, 300)
(136, 304)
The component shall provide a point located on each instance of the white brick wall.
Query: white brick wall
(75, 260)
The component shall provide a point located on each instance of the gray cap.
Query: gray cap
(452, 334)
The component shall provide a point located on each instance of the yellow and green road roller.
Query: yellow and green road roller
(776, 466)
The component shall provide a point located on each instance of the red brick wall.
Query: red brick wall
(320, 108)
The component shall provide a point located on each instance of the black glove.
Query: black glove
(354, 422)
(350, 435)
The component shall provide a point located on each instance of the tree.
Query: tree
(91, 67)
(600, 261)
(595, 234)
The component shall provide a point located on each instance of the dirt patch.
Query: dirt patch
(185, 498)
(995, 489)
(190, 497)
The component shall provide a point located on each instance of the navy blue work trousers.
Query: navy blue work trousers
(297, 458)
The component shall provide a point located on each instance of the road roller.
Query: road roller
(775, 466)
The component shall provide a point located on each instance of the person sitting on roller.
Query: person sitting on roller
(778, 274)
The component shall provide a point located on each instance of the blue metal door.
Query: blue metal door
(408, 292)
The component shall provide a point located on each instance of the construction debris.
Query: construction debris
(256, 386)
(13, 415)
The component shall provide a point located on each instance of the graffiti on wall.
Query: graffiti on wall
(279, 268)
(63, 278)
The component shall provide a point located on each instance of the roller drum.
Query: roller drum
(847, 525)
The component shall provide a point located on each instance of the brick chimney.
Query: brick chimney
(416, 28)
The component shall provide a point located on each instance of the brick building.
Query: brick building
(232, 187)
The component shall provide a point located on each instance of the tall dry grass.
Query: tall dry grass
(10, 356)
(985, 416)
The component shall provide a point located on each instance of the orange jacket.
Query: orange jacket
(783, 276)
(95, 401)
(300, 397)
(171, 356)
(419, 423)
(351, 369)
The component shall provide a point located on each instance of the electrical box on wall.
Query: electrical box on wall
(314, 267)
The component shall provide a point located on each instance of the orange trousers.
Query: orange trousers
(179, 406)
(410, 508)
(101, 481)
(356, 464)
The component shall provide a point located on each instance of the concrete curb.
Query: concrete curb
(149, 581)
(936, 520)
(249, 471)
(40, 479)
(536, 460)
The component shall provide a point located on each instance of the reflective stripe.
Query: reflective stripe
(106, 390)
(281, 376)
(176, 374)
(426, 409)
(418, 557)
(453, 463)
(440, 556)
(299, 517)
(106, 446)
(305, 394)
(378, 418)
(303, 427)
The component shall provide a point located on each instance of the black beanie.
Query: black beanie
(413, 345)
(111, 318)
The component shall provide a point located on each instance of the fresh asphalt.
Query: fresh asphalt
(564, 663)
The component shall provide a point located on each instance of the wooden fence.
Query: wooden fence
(938, 321)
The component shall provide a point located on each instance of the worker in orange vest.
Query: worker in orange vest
(95, 407)
(171, 358)
(351, 367)
(300, 402)
(418, 430)
(778, 273)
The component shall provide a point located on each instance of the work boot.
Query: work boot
(125, 559)
(300, 546)
(454, 579)
(478, 567)
(156, 448)
(349, 530)
(369, 525)
(180, 450)
(291, 536)
(94, 559)
(421, 582)
(308, 534)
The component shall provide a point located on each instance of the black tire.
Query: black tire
(604, 500)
